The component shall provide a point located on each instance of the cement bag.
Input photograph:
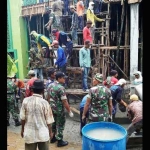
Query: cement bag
(139, 91)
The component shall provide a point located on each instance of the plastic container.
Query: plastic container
(89, 143)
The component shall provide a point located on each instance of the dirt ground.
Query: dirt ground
(16, 142)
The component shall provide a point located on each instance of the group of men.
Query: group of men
(100, 104)
(42, 53)
(46, 110)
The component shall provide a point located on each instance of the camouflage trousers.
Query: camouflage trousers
(11, 108)
(59, 125)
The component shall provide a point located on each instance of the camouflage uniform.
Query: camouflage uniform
(35, 58)
(99, 96)
(57, 93)
(36, 62)
(11, 88)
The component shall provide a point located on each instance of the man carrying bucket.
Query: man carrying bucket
(100, 101)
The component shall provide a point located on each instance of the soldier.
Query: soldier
(100, 99)
(11, 91)
(36, 61)
(58, 101)
(52, 23)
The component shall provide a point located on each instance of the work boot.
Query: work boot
(53, 140)
(62, 143)
(17, 123)
(8, 123)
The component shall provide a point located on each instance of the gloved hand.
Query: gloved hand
(110, 118)
(71, 114)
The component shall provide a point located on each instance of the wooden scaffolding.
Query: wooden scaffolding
(111, 49)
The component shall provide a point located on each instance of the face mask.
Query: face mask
(92, 7)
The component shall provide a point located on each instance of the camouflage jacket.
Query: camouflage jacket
(11, 88)
(35, 58)
(99, 96)
(57, 93)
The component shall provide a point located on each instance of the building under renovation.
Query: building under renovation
(112, 48)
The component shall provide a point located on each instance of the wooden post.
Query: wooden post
(126, 43)
(43, 25)
(40, 26)
(37, 28)
(102, 34)
(107, 52)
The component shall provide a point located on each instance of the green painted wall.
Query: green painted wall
(19, 35)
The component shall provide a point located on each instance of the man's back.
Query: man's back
(56, 92)
(136, 107)
(116, 91)
(37, 113)
(99, 96)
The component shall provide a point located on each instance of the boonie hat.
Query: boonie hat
(99, 77)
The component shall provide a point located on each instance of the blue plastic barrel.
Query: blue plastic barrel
(89, 143)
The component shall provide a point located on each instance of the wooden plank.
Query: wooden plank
(75, 92)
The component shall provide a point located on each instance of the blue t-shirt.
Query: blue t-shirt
(61, 57)
(116, 92)
(83, 101)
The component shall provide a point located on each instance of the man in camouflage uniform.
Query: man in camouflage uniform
(100, 101)
(11, 106)
(36, 60)
(52, 23)
(58, 102)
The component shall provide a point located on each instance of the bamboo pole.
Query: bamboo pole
(118, 67)
(102, 34)
(126, 43)
(120, 33)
